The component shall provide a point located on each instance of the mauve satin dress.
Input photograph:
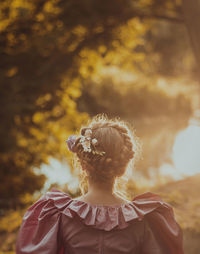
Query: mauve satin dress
(58, 224)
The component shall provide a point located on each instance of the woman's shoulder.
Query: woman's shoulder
(56, 203)
(106, 216)
(50, 203)
(44, 215)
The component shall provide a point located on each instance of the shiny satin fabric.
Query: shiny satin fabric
(58, 224)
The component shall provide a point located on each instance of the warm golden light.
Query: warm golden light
(58, 173)
(186, 151)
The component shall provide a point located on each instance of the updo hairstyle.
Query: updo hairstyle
(116, 141)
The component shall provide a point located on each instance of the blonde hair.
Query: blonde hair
(115, 139)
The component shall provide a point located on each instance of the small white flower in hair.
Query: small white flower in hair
(82, 139)
(94, 141)
(88, 133)
(86, 142)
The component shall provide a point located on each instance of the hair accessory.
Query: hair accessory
(71, 142)
(88, 133)
(85, 141)
(94, 141)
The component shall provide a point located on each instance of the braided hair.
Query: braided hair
(115, 140)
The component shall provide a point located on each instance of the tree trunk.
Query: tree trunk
(191, 12)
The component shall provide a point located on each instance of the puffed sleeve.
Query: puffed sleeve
(39, 232)
(151, 244)
(162, 234)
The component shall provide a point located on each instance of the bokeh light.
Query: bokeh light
(186, 151)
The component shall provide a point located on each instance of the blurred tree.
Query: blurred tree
(54, 55)
(191, 11)
(47, 48)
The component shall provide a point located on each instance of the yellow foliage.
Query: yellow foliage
(38, 117)
(26, 198)
(37, 133)
(145, 3)
(91, 62)
(11, 39)
(127, 37)
(7, 252)
(49, 27)
(73, 46)
(57, 111)
(79, 30)
(4, 24)
(15, 6)
(40, 17)
(98, 29)
(102, 49)
(74, 92)
(51, 7)
(41, 101)
(22, 142)
(12, 72)
(11, 221)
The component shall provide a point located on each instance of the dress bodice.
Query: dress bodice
(58, 224)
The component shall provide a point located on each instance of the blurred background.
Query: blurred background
(62, 62)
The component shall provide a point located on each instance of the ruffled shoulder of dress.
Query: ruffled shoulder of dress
(98, 216)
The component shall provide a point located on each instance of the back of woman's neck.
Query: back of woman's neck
(102, 197)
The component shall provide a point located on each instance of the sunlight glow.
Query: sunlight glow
(59, 173)
(185, 155)
(186, 151)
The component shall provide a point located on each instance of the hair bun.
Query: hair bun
(111, 144)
